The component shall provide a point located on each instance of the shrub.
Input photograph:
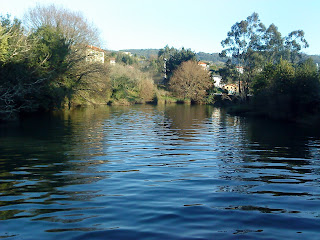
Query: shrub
(190, 81)
(131, 84)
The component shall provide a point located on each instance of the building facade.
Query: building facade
(95, 54)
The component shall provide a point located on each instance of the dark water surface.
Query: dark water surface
(158, 172)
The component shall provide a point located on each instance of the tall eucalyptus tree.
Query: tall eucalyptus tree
(251, 45)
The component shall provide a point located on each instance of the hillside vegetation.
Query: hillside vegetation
(201, 56)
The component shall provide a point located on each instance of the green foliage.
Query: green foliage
(273, 43)
(263, 80)
(315, 58)
(229, 72)
(131, 84)
(307, 87)
(48, 60)
(3, 45)
(46, 67)
(294, 42)
(283, 79)
(210, 57)
(126, 59)
(252, 45)
(178, 58)
(276, 79)
(18, 85)
(11, 33)
(173, 58)
(252, 35)
(147, 53)
(285, 91)
(51, 48)
(201, 56)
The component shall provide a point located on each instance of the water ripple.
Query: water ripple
(158, 172)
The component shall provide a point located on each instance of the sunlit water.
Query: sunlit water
(158, 172)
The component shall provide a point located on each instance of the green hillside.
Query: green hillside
(201, 56)
(143, 52)
(315, 58)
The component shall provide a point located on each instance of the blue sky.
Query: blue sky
(196, 24)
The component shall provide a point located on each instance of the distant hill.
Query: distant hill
(201, 56)
(210, 57)
(315, 58)
(143, 52)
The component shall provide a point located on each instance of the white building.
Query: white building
(128, 53)
(95, 54)
(217, 81)
(240, 69)
(203, 65)
(112, 61)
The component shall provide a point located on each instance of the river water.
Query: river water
(158, 172)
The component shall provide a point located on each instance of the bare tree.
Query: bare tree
(76, 30)
(74, 26)
(79, 33)
(190, 81)
(45, 64)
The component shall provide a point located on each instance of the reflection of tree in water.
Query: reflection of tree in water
(280, 139)
(41, 154)
(253, 152)
(263, 140)
(43, 158)
(283, 147)
(184, 120)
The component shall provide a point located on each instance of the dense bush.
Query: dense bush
(131, 84)
(287, 92)
(190, 81)
(43, 65)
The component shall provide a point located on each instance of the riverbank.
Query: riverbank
(250, 110)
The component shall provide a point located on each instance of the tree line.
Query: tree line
(43, 61)
(201, 56)
(44, 65)
(283, 82)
